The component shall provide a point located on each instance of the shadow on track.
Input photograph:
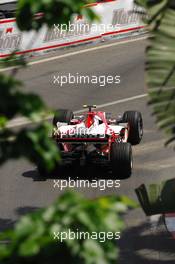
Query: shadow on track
(73, 172)
(6, 224)
(20, 211)
(147, 245)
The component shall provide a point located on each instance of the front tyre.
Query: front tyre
(135, 121)
(121, 160)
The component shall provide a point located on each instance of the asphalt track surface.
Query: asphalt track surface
(22, 191)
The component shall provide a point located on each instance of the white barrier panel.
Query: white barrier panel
(116, 18)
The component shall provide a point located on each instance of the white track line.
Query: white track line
(116, 102)
(78, 52)
(24, 121)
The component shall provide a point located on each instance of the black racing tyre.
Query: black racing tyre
(121, 160)
(62, 115)
(135, 121)
(42, 172)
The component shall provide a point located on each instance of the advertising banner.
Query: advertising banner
(116, 17)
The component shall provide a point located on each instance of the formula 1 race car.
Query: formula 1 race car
(95, 137)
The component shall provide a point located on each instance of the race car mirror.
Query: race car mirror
(90, 107)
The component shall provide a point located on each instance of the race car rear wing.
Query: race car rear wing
(78, 140)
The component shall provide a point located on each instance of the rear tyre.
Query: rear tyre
(63, 116)
(43, 173)
(135, 121)
(121, 160)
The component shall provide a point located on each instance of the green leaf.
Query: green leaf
(29, 248)
(33, 236)
(160, 63)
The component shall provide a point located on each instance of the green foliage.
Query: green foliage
(13, 60)
(32, 240)
(160, 62)
(34, 143)
(13, 102)
(157, 198)
(53, 12)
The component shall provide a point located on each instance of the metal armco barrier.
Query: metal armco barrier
(116, 18)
